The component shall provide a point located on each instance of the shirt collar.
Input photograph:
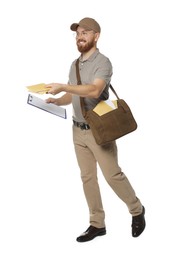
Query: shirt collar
(92, 57)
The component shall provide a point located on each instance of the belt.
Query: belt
(82, 126)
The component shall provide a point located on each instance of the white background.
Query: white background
(42, 206)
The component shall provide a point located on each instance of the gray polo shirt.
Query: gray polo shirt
(96, 66)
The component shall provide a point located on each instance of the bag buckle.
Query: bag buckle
(84, 126)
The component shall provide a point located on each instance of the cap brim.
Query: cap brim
(74, 26)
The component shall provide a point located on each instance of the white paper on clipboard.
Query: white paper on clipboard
(48, 107)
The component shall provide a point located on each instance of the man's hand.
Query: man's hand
(54, 88)
(52, 100)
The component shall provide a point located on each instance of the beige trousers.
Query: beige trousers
(88, 154)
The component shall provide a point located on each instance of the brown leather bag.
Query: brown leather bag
(111, 125)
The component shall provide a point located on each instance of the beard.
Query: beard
(86, 47)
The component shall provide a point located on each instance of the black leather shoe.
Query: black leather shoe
(138, 224)
(91, 233)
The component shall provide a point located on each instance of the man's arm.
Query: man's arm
(92, 90)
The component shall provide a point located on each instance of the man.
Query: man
(96, 71)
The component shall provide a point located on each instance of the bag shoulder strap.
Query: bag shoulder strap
(77, 72)
(113, 90)
(79, 82)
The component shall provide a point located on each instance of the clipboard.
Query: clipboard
(48, 107)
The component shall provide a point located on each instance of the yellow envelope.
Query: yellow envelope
(104, 107)
(39, 88)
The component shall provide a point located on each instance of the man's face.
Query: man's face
(85, 39)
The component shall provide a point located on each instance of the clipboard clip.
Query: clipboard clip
(30, 98)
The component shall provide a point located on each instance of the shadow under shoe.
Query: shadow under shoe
(91, 233)
(138, 224)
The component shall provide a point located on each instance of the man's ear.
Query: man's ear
(97, 35)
